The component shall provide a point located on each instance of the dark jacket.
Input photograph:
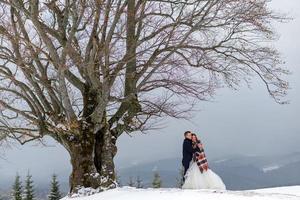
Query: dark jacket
(187, 152)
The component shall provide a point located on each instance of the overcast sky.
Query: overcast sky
(244, 122)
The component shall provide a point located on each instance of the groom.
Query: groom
(187, 150)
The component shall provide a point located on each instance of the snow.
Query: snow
(129, 193)
(84, 192)
(61, 126)
(155, 168)
(291, 190)
(270, 168)
(220, 161)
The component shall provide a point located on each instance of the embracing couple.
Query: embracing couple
(197, 174)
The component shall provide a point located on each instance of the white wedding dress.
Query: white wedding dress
(194, 179)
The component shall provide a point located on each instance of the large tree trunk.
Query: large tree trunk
(105, 150)
(92, 153)
(92, 161)
(84, 173)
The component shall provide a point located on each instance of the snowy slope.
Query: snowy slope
(128, 193)
(292, 190)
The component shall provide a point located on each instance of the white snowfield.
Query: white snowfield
(129, 193)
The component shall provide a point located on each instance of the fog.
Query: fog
(246, 122)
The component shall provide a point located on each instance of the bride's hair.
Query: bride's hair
(193, 134)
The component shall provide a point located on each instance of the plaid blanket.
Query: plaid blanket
(199, 157)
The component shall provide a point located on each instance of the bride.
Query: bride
(199, 175)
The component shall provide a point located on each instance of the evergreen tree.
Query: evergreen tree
(179, 179)
(29, 190)
(156, 183)
(139, 182)
(17, 189)
(54, 192)
(131, 183)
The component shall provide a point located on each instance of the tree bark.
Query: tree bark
(92, 161)
(92, 153)
(84, 173)
(105, 151)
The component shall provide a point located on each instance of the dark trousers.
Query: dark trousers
(185, 167)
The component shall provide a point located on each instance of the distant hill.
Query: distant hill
(238, 172)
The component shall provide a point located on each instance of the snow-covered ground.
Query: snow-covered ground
(291, 190)
(128, 193)
(270, 168)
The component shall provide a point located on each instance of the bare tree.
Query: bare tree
(139, 182)
(131, 182)
(85, 72)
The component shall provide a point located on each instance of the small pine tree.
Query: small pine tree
(29, 190)
(17, 189)
(139, 182)
(131, 183)
(156, 183)
(179, 179)
(54, 192)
